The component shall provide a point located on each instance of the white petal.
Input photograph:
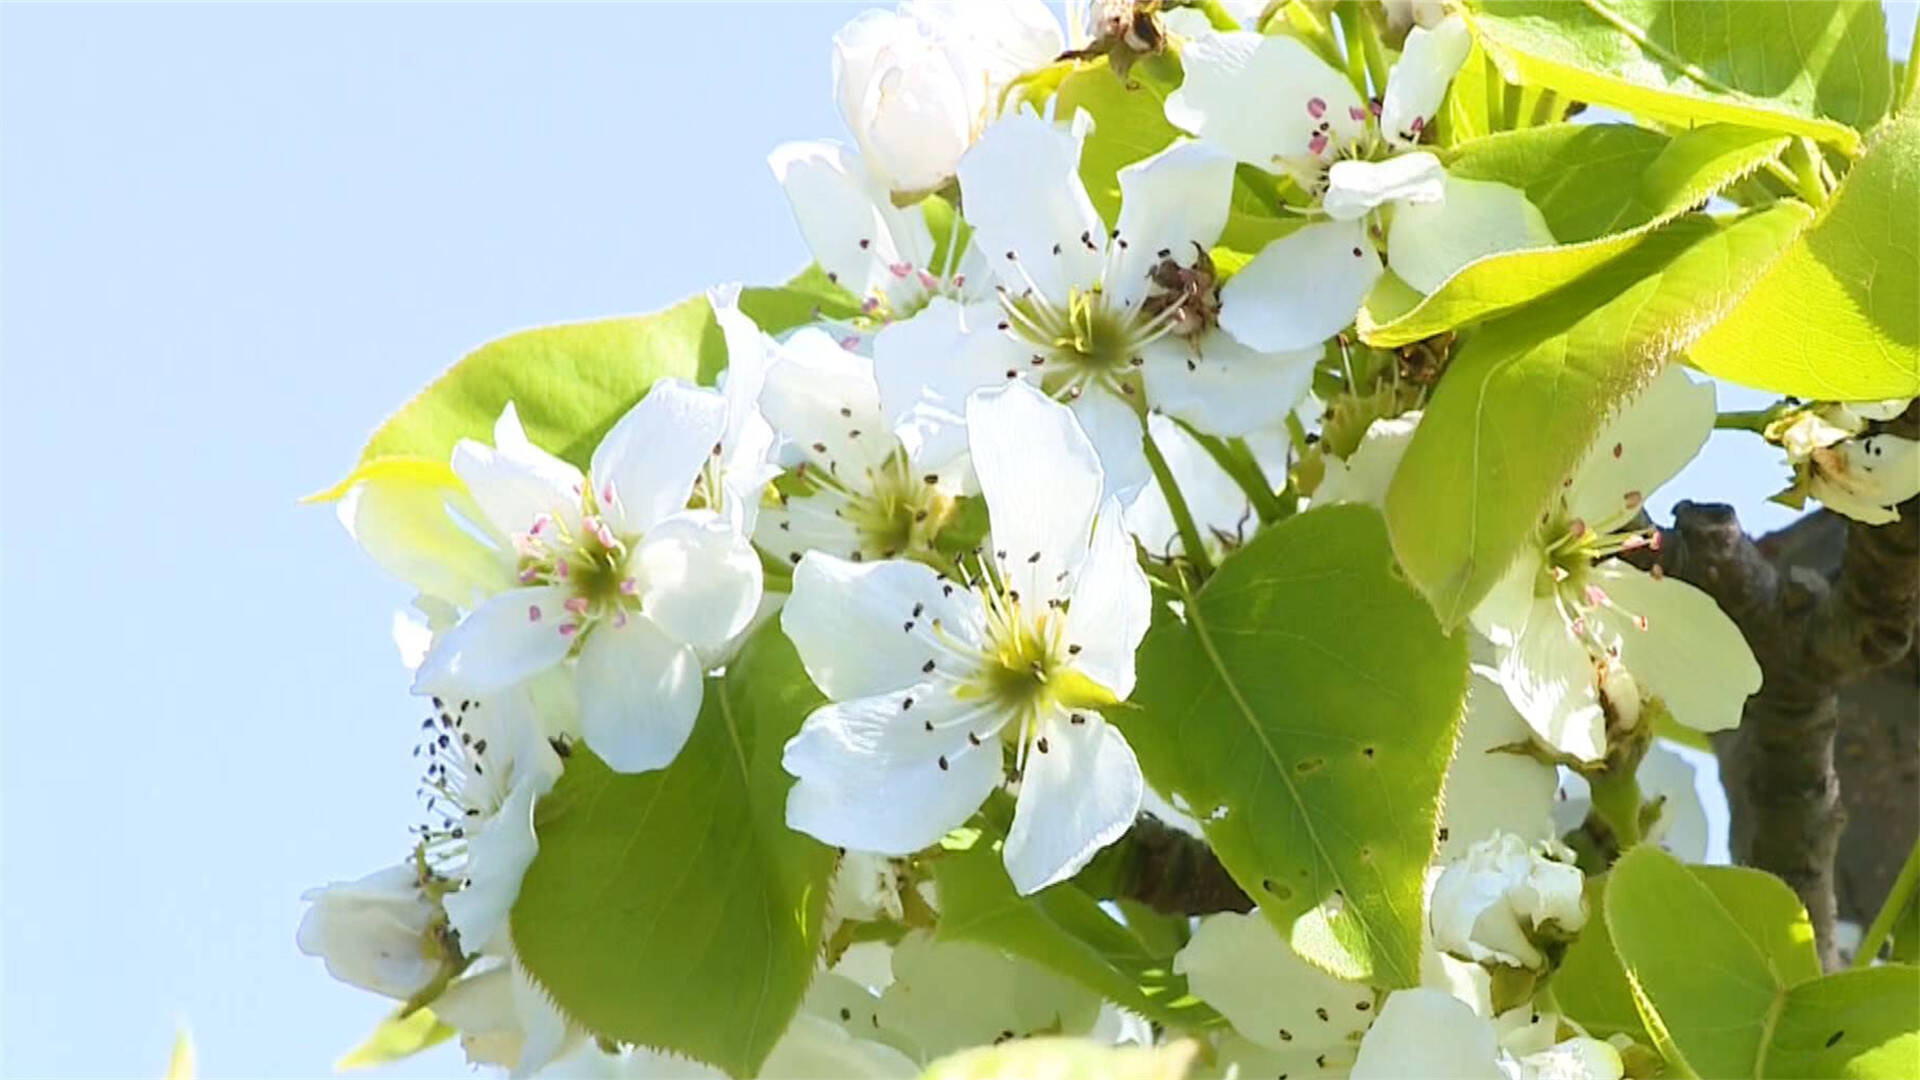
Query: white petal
(749, 438)
(822, 398)
(1119, 440)
(372, 933)
(868, 628)
(1424, 1032)
(1080, 791)
(643, 470)
(515, 634)
(1301, 289)
(1295, 91)
(1172, 205)
(1867, 478)
(812, 1046)
(927, 366)
(1502, 614)
(516, 482)
(816, 522)
(545, 1032)
(1222, 387)
(1651, 438)
(1111, 607)
(1364, 476)
(1022, 190)
(1549, 677)
(947, 995)
(1213, 498)
(1419, 80)
(1689, 653)
(1041, 480)
(1429, 242)
(1488, 789)
(1355, 188)
(409, 527)
(640, 693)
(699, 578)
(864, 243)
(1683, 829)
(1239, 965)
(873, 777)
(498, 854)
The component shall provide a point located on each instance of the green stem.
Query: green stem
(1616, 798)
(1217, 15)
(1196, 551)
(1510, 104)
(1350, 20)
(1546, 109)
(1494, 101)
(1236, 460)
(1807, 184)
(1898, 898)
(1754, 420)
(1376, 54)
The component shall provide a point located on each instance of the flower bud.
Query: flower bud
(375, 933)
(915, 86)
(1504, 900)
(1865, 478)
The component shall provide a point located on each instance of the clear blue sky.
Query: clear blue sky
(231, 240)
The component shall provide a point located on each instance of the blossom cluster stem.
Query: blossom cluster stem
(1196, 551)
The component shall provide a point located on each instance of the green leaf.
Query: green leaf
(1723, 973)
(1601, 187)
(1061, 928)
(1835, 317)
(1306, 708)
(1856, 1024)
(1129, 123)
(1590, 986)
(1065, 1059)
(1527, 392)
(571, 382)
(401, 1035)
(675, 909)
(1812, 67)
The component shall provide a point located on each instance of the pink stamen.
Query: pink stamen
(629, 586)
(606, 494)
(1316, 107)
(1640, 621)
(1596, 596)
(538, 524)
(928, 281)
(959, 280)
(533, 612)
(850, 342)
(870, 305)
(568, 629)
(577, 605)
(1419, 124)
(1577, 528)
(1318, 144)
(900, 269)
(1359, 114)
(619, 620)
(562, 569)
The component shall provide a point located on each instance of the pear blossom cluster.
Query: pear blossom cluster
(956, 505)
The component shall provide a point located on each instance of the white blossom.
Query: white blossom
(376, 933)
(1426, 1033)
(925, 673)
(1380, 201)
(1111, 322)
(616, 577)
(1494, 904)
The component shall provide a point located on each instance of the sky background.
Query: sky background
(232, 239)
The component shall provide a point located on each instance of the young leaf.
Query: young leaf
(1836, 317)
(1525, 394)
(1812, 67)
(1306, 709)
(1722, 973)
(1063, 929)
(1129, 124)
(570, 382)
(675, 909)
(1601, 187)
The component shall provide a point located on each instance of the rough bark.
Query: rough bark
(1175, 873)
(1816, 635)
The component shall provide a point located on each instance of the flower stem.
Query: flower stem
(1899, 898)
(1754, 420)
(1196, 552)
(1237, 461)
(1376, 55)
(1350, 20)
(1799, 157)
(1217, 15)
(1616, 798)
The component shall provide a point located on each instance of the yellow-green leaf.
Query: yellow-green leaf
(400, 1035)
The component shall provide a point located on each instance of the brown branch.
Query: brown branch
(1175, 873)
(1813, 634)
